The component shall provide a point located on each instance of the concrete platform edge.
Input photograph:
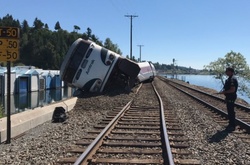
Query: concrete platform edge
(29, 119)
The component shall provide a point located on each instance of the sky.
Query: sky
(193, 32)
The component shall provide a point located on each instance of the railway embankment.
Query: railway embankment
(47, 142)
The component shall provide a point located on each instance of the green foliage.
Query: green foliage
(57, 26)
(43, 48)
(238, 62)
(76, 28)
(108, 44)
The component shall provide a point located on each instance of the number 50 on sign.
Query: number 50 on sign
(9, 44)
(9, 49)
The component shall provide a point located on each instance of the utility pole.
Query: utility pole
(131, 17)
(140, 51)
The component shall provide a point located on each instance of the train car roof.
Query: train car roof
(143, 64)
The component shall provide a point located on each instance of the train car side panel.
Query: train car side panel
(147, 72)
(90, 67)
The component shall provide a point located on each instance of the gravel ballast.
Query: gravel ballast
(208, 140)
(49, 141)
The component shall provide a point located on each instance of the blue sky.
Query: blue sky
(194, 32)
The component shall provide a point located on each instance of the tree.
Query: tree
(57, 26)
(9, 21)
(38, 24)
(43, 48)
(108, 44)
(76, 28)
(46, 26)
(89, 32)
(25, 26)
(238, 62)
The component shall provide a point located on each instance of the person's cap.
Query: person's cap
(230, 69)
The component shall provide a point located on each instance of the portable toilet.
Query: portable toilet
(56, 81)
(42, 84)
(22, 84)
(56, 95)
(1, 84)
(22, 80)
(2, 89)
(47, 75)
(33, 99)
(12, 82)
(21, 101)
(48, 97)
(13, 108)
(42, 98)
(33, 80)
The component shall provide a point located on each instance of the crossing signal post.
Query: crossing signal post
(9, 51)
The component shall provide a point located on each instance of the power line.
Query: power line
(131, 18)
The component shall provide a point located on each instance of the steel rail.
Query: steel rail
(86, 153)
(164, 129)
(219, 98)
(239, 122)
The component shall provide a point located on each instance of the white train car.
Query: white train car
(91, 68)
(147, 72)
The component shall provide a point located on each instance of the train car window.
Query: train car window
(84, 63)
(83, 47)
(76, 60)
(104, 55)
(78, 74)
(78, 55)
(89, 52)
(69, 75)
(111, 56)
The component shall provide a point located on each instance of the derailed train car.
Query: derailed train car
(92, 68)
(147, 72)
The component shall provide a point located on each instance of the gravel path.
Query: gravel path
(47, 142)
(208, 140)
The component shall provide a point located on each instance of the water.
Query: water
(24, 101)
(207, 81)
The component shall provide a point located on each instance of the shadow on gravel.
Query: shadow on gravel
(110, 92)
(218, 136)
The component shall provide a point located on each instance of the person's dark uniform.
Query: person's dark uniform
(230, 99)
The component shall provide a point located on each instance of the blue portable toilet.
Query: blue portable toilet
(21, 101)
(27, 79)
(47, 78)
(22, 83)
(56, 81)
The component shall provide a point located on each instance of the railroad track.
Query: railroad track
(217, 104)
(138, 133)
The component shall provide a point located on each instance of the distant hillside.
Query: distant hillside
(171, 69)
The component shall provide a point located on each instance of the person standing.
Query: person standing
(230, 91)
